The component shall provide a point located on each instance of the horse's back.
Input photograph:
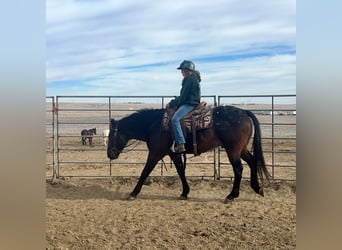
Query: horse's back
(230, 115)
(228, 112)
(232, 123)
(88, 131)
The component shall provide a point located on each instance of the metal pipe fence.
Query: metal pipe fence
(50, 134)
(66, 116)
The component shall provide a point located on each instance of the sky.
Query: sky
(123, 47)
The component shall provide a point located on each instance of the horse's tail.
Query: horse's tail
(257, 149)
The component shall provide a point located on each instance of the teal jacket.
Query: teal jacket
(190, 92)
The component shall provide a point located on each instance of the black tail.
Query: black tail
(257, 149)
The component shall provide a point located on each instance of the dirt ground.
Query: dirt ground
(93, 213)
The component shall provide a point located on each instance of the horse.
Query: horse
(232, 129)
(88, 134)
(105, 134)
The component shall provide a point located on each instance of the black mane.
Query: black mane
(146, 116)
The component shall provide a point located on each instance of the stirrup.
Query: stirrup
(172, 148)
(180, 148)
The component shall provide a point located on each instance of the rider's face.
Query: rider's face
(185, 72)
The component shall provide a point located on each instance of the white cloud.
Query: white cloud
(241, 47)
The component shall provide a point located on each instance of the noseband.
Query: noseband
(115, 133)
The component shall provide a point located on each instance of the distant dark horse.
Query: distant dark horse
(88, 134)
(232, 129)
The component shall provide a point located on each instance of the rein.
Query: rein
(125, 150)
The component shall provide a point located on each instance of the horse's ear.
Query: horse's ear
(112, 123)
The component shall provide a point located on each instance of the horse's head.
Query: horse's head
(117, 140)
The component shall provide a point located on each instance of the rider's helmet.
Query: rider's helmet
(189, 65)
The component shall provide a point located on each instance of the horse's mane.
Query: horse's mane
(148, 112)
(145, 117)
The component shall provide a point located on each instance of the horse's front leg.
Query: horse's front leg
(149, 166)
(177, 159)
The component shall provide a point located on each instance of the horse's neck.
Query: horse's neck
(138, 125)
(134, 130)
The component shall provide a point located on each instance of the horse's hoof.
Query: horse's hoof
(261, 192)
(228, 201)
(130, 197)
(183, 197)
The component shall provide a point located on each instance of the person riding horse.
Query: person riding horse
(189, 98)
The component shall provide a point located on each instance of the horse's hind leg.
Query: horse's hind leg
(235, 160)
(248, 157)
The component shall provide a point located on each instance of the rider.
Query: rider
(189, 98)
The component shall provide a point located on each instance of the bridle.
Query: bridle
(117, 134)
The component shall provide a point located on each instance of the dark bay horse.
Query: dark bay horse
(232, 129)
(88, 134)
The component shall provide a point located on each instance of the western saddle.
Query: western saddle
(198, 119)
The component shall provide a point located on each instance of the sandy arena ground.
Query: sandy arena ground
(94, 214)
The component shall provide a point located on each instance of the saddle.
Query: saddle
(200, 118)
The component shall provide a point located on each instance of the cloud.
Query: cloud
(130, 48)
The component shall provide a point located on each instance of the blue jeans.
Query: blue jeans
(182, 111)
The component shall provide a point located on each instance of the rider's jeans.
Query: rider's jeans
(182, 111)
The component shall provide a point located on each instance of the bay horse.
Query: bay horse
(88, 134)
(232, 129)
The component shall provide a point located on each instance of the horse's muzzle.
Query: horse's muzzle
(112, 154)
